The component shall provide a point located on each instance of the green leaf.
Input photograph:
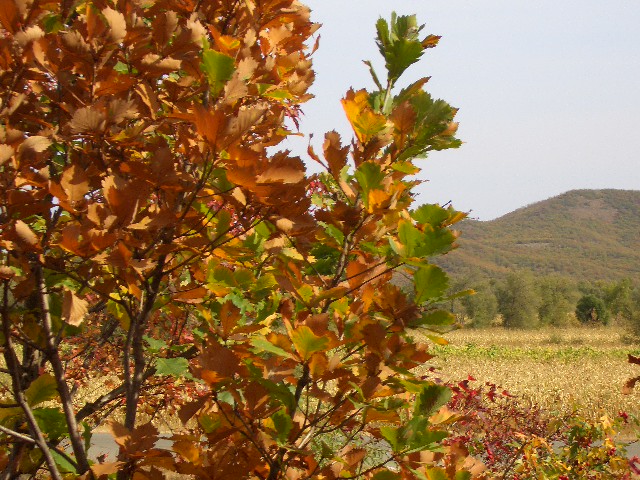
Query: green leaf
(393, 436)
(121, 67)
(175, 367)
(10, 415)
(437, 473)
(42, 389)
(369, 175)
(52, 23)
(434, 215)
(386, 475)
(261, 344)
(218, 68)
(119, 312)
(154, 344)
(430, 283)
(243, 277)
(436, 318)
(64, 465)
(410, 237)
(86, 435)
(430, 399)
(52, 422)
(463, 475)
(284, 394)
(307, 342)
(334, 232)
(399, 43)
(415, 436)
(223, 222)
(283, 424)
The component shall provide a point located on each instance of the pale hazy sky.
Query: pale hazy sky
(548, 91)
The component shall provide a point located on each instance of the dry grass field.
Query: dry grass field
(561, 370)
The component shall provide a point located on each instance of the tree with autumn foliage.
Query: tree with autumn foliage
(153, 238)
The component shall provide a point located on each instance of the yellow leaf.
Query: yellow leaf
(187, 450)
(378, 199)
(365, 122)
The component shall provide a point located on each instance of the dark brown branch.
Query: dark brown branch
(53, 356)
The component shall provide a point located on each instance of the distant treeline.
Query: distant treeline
(524, 300)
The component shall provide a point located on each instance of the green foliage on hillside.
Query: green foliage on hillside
(582, 234)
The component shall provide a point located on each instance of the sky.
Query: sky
(548, 92)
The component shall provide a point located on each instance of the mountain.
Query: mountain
(583, 234)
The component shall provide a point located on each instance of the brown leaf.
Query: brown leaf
(191, 295)
(208, 124)
(120, 110)
(241, 124)
(6, 152)
(8, 15)
(633, 360)
(117, 24)
(121, 435)
(74, 182)
(148, 97)
(102, 469)
(74, 308)
(87, 120)
(29, 35)
(188, 410)
(283, 174)
(75, 42)
(431, 41)
(219, 360)
(6, 273)
(161, 65)
(25, 236)
(229, 317)
(164, 26)
(35, 143)
(627, 388)
(284, 225)
(335, 153)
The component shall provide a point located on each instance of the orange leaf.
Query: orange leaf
(431, 41)
(208, 124)
(378, 199)
(355, 273)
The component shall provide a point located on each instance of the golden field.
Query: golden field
(559, 369)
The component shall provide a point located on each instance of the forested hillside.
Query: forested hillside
(582, 234)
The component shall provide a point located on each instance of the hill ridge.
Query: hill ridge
(584, 234)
